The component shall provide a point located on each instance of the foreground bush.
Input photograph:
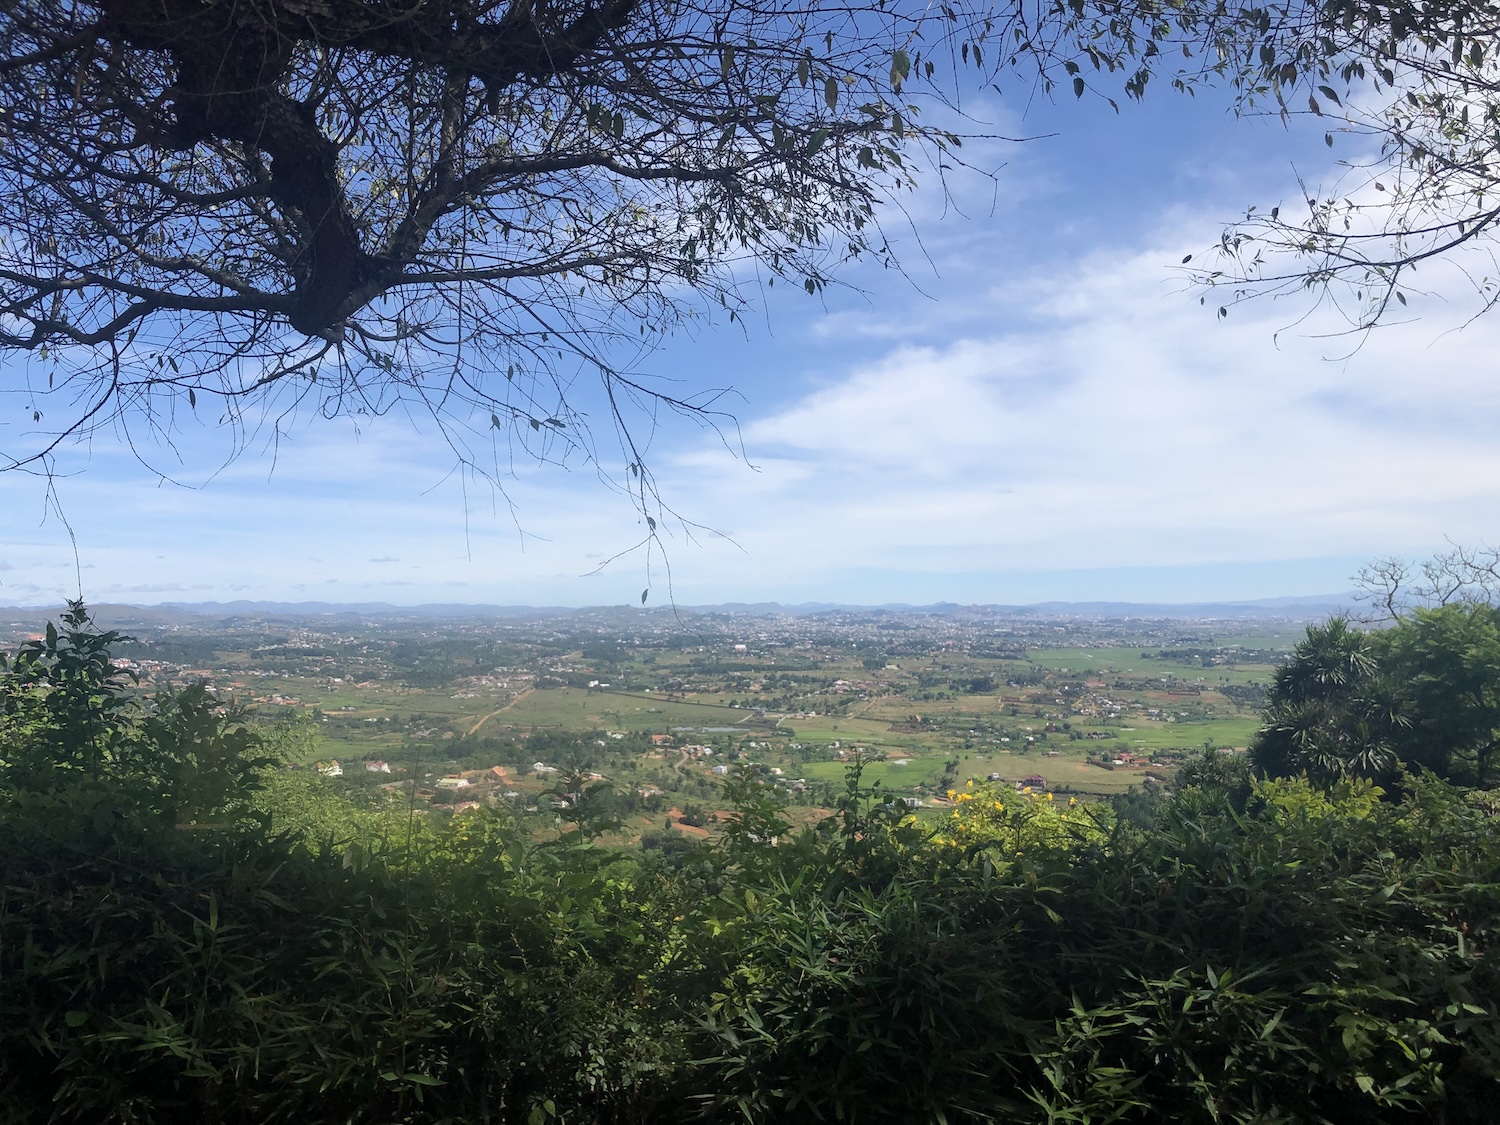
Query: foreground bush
(1312, 958)
(259, 952)
(1309, 959)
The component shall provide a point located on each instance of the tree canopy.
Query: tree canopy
(458, 204)
(466, 206)
(1422, 694)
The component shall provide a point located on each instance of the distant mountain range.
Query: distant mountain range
(1303, 608)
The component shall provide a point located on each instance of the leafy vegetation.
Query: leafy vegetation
(1422, 694)
(1237, 950)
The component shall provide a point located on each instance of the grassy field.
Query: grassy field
(1125, 660)
(1139, 734)
(919, 711)
(1065, 770)
(918, 771)
(1131, 663)
(581, 709)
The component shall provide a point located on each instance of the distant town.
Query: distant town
(661, 705)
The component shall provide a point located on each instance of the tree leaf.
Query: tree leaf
(900, 68)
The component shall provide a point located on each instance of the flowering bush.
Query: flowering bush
(997, 816)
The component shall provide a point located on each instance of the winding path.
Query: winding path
(486, 718)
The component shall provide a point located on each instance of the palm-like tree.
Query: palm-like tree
(1331, 714)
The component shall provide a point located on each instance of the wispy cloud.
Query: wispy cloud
(1114, 422)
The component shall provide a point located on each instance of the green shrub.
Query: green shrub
(224, 945)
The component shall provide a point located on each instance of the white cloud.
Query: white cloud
(1116, 423)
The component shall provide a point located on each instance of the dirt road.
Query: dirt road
(497, 710)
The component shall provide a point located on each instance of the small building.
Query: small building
(453, 783)
(377, 766)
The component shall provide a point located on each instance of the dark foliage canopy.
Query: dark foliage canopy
(1423, 694)
(457, 203)
(478, 209)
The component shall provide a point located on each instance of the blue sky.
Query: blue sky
(1040, 410)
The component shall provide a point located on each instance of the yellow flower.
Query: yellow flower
(999, 807)
(1026, 790)
(1072, 801)
(970, 783)
(950, 794)
(1049, 796)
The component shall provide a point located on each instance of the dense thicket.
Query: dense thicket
(1423, 694)
(1240, 952)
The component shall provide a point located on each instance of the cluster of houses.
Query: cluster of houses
(476, 786)
(334, 768)
(479, 786)
(1131, 760)
(1030, 781)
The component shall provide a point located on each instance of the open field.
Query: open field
(584, 709)
(788, 698)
